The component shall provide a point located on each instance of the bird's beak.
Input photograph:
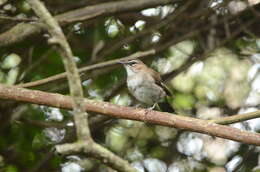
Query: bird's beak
(121, 62)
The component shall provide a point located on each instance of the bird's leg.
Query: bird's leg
(154, 105)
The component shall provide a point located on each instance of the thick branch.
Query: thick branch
(76, 91)
(155, 117)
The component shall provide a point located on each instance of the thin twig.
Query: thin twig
(114, 46)
(17, 19)
(87, 68)
(236, 118)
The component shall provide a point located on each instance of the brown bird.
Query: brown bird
(144, 83)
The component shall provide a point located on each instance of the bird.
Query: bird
(144, 83)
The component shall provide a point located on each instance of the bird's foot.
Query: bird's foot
(152, 108)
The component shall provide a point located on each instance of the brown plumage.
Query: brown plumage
(144, 83)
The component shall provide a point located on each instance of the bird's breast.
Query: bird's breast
(144, 89)
(134, 81)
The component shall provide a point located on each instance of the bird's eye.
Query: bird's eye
(132, 63)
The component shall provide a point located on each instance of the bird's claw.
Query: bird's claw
(152, 108)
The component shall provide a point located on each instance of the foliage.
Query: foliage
(212, 79)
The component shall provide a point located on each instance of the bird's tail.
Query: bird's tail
(165, 106)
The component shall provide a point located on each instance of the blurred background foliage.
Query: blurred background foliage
(212, 67)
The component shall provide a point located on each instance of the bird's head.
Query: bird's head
(133, 66)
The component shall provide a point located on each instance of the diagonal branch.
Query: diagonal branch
(85, 140)
(146, 53)
(76, 91)
(109, 8)
(23, 30)
(88, 68)
(155, 117)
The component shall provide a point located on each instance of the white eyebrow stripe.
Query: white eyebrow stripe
(130, 61)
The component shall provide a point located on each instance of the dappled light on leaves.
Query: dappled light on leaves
(207, 53)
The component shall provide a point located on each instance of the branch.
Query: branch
(85, 140)
(88, 68)
(236, 118)
(176, 20)
(112, 110)
(104, 155)
(22, 31)
(142, 54)
(109, 8)
(76, 91)
(2, 17)
(112, 47)
(205, 55)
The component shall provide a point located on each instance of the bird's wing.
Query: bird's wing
(165, 88)
(158, 81)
